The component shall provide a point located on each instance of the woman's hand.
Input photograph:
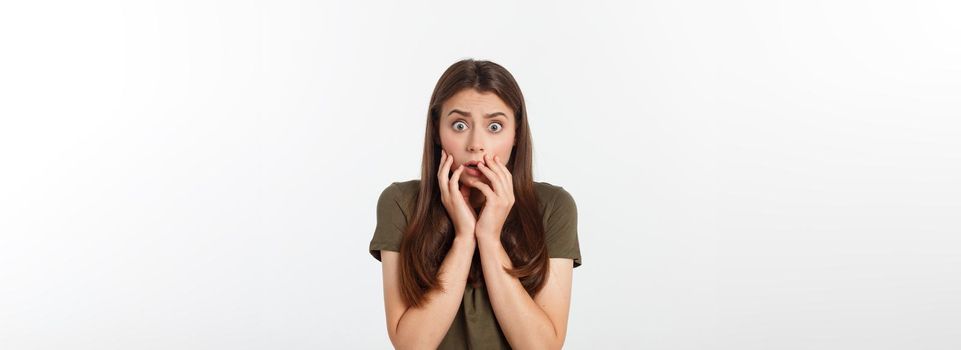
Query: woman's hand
(499, 198)
(455, 197)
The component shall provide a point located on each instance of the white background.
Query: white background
(748, 174)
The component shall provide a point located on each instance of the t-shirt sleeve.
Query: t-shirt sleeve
(391, 222)
(561, 227)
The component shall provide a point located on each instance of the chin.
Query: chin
(465, 177)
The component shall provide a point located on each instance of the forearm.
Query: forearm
(523, 322)
(425, 326)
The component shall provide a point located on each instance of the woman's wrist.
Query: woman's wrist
(465, 240)
(488, 239)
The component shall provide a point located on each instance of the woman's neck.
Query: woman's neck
(477, 198)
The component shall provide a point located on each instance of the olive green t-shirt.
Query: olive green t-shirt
(475, 326)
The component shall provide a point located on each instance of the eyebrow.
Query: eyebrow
(466, 114)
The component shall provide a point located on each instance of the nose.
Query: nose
(476, 142)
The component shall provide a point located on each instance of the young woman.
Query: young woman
(476, 254)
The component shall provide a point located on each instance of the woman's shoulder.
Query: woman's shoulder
(549, 194)
(404, 186)
(560, 221)
(548, 190)
(552, 195)
(401, 191)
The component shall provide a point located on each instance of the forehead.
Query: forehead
(476, 103)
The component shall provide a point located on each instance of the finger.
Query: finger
(442, 175)
(465, 194)
(492, 165)
(507, 172)
(486, 190)
(440, 167)
(507, 175)
(497, 181)
(489, 162)
(454, 186)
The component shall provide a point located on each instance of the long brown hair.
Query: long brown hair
(429, 233)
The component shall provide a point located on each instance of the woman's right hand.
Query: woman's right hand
(455, 197)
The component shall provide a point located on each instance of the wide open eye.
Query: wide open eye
(498, 128)
(459, 123)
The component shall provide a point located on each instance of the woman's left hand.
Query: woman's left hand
(499, 198)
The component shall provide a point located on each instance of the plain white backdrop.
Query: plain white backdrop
(748, 174)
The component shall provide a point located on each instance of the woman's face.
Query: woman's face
(474, 124)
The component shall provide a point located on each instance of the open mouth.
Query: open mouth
(472, 164)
